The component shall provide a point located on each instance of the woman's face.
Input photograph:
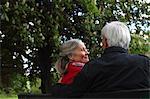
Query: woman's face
(80, 54)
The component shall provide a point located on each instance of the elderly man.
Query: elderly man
(115, 70)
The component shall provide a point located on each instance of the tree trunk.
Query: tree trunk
(0, 67)
(45, 66)
(0, 77)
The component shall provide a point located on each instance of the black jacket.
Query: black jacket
(115, 70)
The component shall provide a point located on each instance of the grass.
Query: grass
(8, 97)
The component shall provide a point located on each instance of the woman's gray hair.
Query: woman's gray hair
(117, 34)
(66, 49)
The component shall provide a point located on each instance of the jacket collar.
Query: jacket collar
(115, 49)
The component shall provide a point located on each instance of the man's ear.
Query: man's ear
(106, 42)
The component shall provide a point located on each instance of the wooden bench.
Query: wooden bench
(34, 96)
(138, 93)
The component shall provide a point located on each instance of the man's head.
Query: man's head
(115, 34)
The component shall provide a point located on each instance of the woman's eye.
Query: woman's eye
(82, 50)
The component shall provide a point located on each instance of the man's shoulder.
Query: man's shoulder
(140, 56)
(94, 62)
(144, 56)
(92, 67)
(130, 57)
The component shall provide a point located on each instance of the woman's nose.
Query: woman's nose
(87, 52)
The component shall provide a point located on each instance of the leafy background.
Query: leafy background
(32, 31)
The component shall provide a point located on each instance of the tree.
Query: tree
(135, 14)
(32, 31)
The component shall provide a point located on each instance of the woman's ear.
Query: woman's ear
(70, 57)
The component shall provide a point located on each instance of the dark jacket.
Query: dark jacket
(115, 70)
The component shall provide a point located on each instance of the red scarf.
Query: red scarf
(73, 69)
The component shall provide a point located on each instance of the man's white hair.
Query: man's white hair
(117, 34)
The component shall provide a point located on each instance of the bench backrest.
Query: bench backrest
(138, 93)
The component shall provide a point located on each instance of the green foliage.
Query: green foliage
(19, 84)
(8, 97)
(140, 44)
(34, 29)
(35, 87)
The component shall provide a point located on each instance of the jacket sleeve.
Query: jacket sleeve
(76, 89)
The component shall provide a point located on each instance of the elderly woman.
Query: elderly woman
(73, 56)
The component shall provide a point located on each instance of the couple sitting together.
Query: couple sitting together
(115, 70)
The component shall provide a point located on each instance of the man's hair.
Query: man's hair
(117, 34)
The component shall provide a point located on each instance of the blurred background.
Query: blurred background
(32, 30)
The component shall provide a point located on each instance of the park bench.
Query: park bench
(138, 93)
